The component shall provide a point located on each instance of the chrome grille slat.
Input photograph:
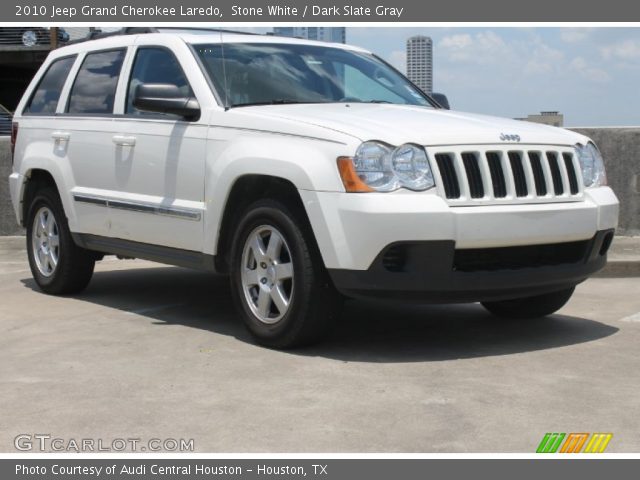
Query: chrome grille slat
(484, 175)
(517, 170)
(528, 174)
(508, 175)
(487, 184)
(496, 171)
(538, 173)
(460, 172)
(556, 175)
(474, 175)
(564, 174)
(548, 176)
(571, 173)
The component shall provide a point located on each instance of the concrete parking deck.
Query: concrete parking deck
(150, 351)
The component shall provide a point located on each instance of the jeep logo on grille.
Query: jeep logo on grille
(507, 137)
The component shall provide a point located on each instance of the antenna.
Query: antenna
(224, 74)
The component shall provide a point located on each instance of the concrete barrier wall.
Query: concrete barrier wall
(620, 148)
(8, 225)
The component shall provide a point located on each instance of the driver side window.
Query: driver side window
(155, 65)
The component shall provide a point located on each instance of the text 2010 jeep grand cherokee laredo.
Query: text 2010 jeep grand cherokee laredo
(304, 170)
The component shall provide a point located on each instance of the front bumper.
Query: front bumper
(437, 272)
(354, 230)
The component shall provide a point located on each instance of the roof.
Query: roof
(192, 36)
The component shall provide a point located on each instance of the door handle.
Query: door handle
(61, 136)
(124, 140)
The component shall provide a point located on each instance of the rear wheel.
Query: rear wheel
(57, 264)
(530, 307)
(278, 281)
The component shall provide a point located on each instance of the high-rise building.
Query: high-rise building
(324, 34)
(420, 62)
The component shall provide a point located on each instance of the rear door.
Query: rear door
(84, 135)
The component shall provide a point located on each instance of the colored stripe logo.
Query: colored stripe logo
(574, 442)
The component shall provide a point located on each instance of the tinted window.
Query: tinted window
(45, 97)
(155, 65)
(356, 85)
(249, 74)
(94, 90)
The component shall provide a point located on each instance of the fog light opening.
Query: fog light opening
(606, 243)
(395, 258)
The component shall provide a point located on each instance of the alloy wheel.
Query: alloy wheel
(267, 274)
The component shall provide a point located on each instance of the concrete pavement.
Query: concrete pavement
(150, 351)
(623, 258)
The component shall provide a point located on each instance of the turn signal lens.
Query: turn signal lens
(350, 179)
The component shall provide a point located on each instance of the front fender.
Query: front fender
(309, 164)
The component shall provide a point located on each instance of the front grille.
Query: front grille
(555, 173)
(515, 258)
(538, 174)
(497, 175)
(518, 174)
(571, 172)
(448, 175)
(467, 176)
(473, 174)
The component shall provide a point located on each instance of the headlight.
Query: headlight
(592, 165)
(382, 168)
(372, 163)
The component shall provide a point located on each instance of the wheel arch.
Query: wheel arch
(35, 179)
(245, 190)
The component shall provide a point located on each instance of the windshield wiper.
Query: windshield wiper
(357, 100)
(275, 101)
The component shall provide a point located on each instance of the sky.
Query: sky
(591, 75)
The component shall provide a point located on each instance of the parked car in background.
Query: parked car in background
(30, 36)
(5, 121)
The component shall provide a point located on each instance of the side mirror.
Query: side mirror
(165, 98)
(442, 100)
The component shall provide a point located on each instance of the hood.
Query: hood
(398, 124)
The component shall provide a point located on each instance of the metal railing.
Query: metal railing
(31, 36)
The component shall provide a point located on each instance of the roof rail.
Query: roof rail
(97, 34)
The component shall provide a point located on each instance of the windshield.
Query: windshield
(265, 73)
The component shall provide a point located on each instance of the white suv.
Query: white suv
(307, 172)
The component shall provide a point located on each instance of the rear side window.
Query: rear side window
(45, 98)
(94, 90)
(155, 65)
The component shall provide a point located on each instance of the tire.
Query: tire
(294, 272)
(530, 307)
(57, 264)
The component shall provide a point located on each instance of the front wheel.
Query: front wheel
(530, 307)
(278, 281)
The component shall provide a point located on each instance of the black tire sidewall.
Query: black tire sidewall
(75, 265)
(268, 214)
(44, 199)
